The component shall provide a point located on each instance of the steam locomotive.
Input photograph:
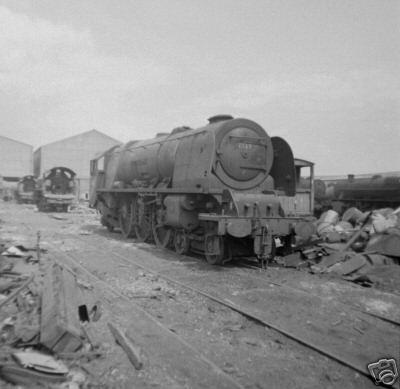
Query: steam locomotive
(56, 191)
(26, 189)
(223, 190)
(363, 193)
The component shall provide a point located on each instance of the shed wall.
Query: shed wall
(16, 158)
(74, 153)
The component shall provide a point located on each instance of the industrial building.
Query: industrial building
(15, 162)
(15, 159)
(75, 153)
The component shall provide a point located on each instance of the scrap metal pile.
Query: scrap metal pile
(47, 328)
(357, 246)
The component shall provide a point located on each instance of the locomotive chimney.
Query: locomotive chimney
(219, 118)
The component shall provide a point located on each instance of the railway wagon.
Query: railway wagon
(26, 190)
(56, 190)
(363, 193)
(219, 190)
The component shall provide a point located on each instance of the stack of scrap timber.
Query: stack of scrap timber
(47, 328)
(41, 329)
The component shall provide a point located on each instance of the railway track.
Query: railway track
(260, 275)
(162, 344)
(393, 317)
(348, 345)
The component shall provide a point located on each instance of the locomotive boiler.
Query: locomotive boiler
(56, 190)
(364, 193)
(218, 190)
(26, 189)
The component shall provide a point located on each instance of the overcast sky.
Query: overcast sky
(322, 74)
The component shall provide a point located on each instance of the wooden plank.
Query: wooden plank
(16, 292)
(131, 351)
(60, 327)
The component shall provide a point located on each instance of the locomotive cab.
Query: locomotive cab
(302, 204)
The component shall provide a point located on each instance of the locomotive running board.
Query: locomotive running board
(241, 226)
(214, 217)
(163, 190)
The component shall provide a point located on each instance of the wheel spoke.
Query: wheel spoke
(162, 234)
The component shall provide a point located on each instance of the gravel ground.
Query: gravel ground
(252, 355)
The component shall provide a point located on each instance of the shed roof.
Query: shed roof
(303, 162)
(94, 131)
(14, 140)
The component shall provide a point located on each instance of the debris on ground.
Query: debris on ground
(14, 251)
(58, 217)
(60, 327)
(104, 358)
(43, 328)
(82, 208)
(131, 351)
(353, 246)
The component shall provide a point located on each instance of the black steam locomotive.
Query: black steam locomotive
(26, 190)
(222, 190)
(56, 190)
(363, 193)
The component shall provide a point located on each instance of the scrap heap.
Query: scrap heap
(45, 325)
(359, 246)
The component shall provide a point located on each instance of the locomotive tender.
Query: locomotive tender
(217, 190)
